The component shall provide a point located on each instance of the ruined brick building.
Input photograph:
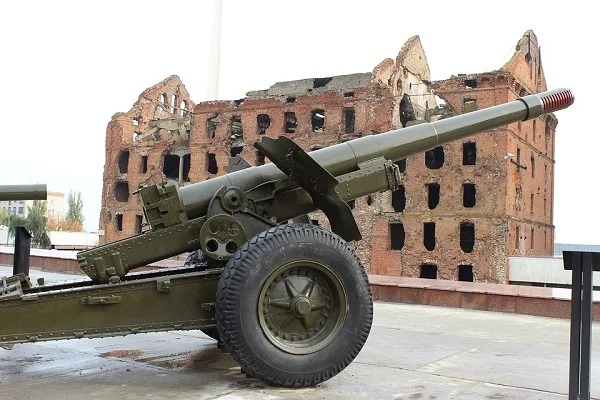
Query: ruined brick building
(464, 207)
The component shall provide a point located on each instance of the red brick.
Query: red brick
(475, 301)
(503, 191)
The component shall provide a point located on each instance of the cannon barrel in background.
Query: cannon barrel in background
(23, 192)
(395, 145)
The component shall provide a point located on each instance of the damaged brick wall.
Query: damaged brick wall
(530, 199)
(463, 208)
(513, 172)
(138, 145)
(315, 113)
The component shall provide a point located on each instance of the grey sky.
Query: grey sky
(68, 66)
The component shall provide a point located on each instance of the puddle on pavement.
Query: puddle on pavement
(122, 354)
(207, 358)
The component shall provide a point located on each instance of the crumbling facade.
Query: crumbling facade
(463, 208)
(146, 145)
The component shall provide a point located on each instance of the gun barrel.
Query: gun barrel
(23, 192)
(395, 145)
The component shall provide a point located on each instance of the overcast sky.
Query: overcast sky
(68, 66)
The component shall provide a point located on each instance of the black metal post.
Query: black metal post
(22, 251)
(587, 283)
(582, 265)
(574, 360)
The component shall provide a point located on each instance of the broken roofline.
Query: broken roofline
(303, 86)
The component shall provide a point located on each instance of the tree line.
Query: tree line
(38, 224)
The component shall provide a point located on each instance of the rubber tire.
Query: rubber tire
(238, 294)
(194, 258)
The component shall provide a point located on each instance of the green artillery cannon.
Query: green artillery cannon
(289, 301)
(23, 192)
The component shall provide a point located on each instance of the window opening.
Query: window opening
(186, 161)
(123, 162)
(407, 113)
(320, 82)
(399, 199)
(470, 83)
(429, 235)
(397, 235)
(143, 164)
(428, 271)
(433, 195)
(401, 165)
(291, 123)
(465, 273)
(317, 120)
(349, 118)
(173, 104)
(263, 121)
(119, 221)
(171, 166)
(434, 159)
(469, 153)
(531, 204)
(235, 150)
(212, 167)
(211, 125)
(138, 224)
(467, 236)
(469, 197)
(260, 158)
(235, 126)
(469, 105)
(122, 191)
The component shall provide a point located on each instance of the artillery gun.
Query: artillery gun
(23, 192)
(289, 301)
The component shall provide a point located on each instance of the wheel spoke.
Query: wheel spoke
(291, 289)
(317, 306)
(308, 289)
(280, 303)
(288, 320)
(305, 322)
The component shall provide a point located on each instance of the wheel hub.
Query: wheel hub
(302, 307)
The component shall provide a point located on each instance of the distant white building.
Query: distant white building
(560, 247)
(548, 271)
(4, 239)
(55, 206)
(61, 240)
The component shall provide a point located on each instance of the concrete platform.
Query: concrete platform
(413, 352)
(540, 301)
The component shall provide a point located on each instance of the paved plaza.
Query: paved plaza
(413, 352)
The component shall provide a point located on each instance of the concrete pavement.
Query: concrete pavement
(413, 352)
